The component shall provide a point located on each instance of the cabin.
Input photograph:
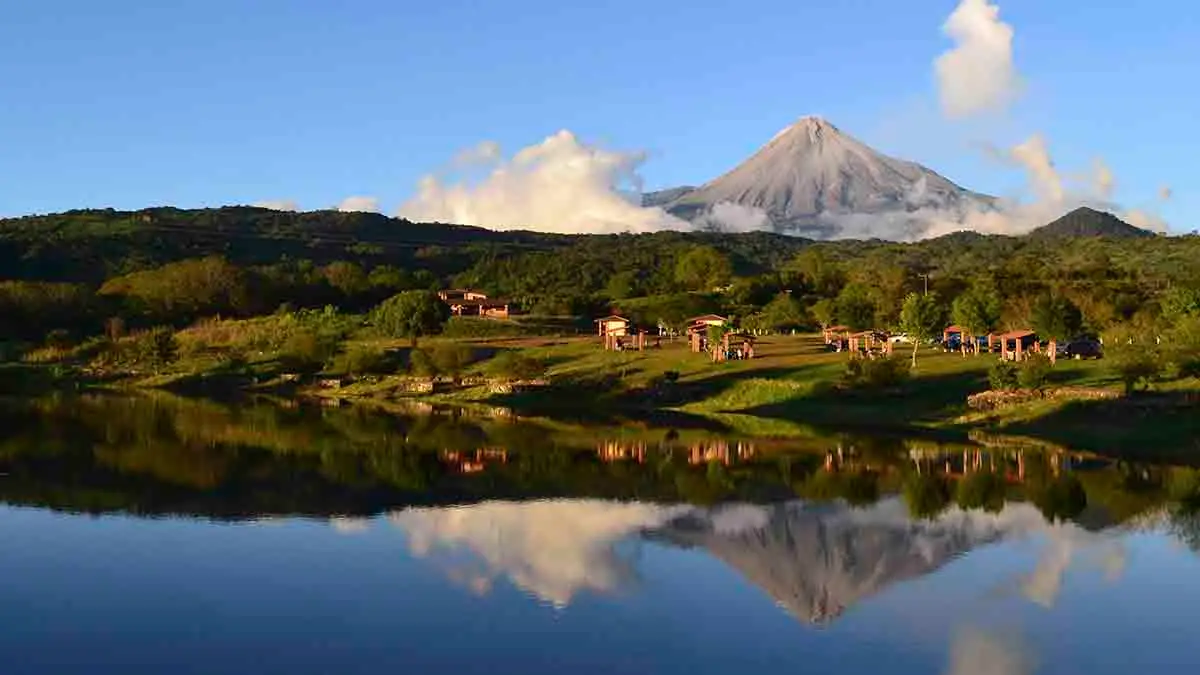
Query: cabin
(702, 322)
(618, 334)
(869, 343)
(612, 326)
(452, 295)
(734, 346)
(836, 336)
(1018, 344)
(465, 302)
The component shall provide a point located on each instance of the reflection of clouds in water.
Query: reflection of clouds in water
(1066, 544)
(978, 652)
(553, 549)
(349, 525)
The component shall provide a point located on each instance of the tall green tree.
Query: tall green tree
(782, 313)
(1055, 317)
(977, 311)
(921, 318)
(824, 311)
(411, 314)
(855, 308)
(703, 268)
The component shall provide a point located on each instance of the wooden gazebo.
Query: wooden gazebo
(868, 341)
(836, 334)
(735, 345)
(1024, 343)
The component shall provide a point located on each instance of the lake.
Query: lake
(153, 534)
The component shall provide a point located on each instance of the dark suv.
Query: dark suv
(1085, 348)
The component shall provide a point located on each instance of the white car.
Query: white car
(899, 339)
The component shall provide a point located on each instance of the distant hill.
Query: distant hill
(94, 244)
(1088, 222)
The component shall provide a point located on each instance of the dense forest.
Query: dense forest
(72, 274)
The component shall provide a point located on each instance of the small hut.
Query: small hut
(1018, 344)
(869, 342)
(836, 335)
(612, 324)
(736, 346)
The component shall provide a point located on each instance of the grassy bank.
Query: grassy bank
(792, 386)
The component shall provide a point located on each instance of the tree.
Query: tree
(783, 312)
(926, 495)
(855, 307)
(1180, 302)
(703, 268)
(921, 319)
(452, 359)
(348, 278)
(1134, 358)
(981, 490)
(411, 314)
(516, 366)
(622, 285)
(977, 312)
(825, 312)
(1054, 317)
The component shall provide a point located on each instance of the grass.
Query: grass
(789, 390)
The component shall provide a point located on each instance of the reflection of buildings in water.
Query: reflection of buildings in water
(621, 451)
(1011, 464)
(721, 451)
(701, 452)
(473, 461)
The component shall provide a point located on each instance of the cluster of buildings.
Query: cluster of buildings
(466, 302)
(618, 333)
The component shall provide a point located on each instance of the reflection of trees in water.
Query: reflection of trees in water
(159, 453)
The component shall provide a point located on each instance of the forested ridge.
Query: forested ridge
(75, 270)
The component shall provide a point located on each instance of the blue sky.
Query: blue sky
(201, 103)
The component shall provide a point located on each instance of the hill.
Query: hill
(1088, 222)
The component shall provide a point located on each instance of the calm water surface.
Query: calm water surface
(168, 536)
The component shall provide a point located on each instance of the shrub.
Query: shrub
(58, 339)
(876, 373)
(1003, 376)
(471, 327)
(516, 366)
(363, 360)
(307, 351)
(420, 364)
(1034, 372)
(452, 359)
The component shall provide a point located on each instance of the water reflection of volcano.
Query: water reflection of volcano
(814, 560)
(817, 560)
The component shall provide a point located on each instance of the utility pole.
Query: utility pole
(926, 278)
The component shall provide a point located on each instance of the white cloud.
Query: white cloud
(367, 204)
(558, 185)
(1035, 158)
(486, 152)
(732, 217)
(977, 652)
(278, 205)
(552, 549)
(978, 74)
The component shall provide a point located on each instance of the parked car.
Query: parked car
(1086, 348)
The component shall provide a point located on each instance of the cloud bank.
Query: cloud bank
(364, 204)
(558, 185)
(278, 205)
